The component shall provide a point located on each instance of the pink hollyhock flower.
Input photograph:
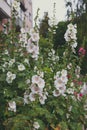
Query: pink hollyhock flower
(82, 51)
(80, 94)
(79, 83)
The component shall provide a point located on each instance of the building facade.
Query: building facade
(29, 14)
(24, 19)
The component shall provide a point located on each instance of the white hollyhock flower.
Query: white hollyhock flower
(22, 30)
(60, 86)
(23, 38)
(56, 93)
(41, 74)
(73, 36)
(77, 70)
(64, 72)
(70, 108)
(6, 52)
(58, 82)
(16, 5)
(53, 51)
(35, 79)
(62, 89)
(34, 56)
(67, 115)
(27, 81)
(36, 49)
(33, 49)
(13, 76)
(35, 37)
(41, 83)
(72, 84)
(35, 52)
(35, 68)
(74, 45)
(64, 79)
(26, 97)
(36, 125)
(10, 77)
(70, 91)
(84, 89)
(31, 31)
(57, 75)
(26, 61)
(12, 106)
(9, 74)
(70, 26)
(5, 64)
(42, 98)
(21, 67)
(35, 89)
(67, 37)
(30, 47)
(69, 66)
(11, 62)
(9, 80)
(32, 97)
(70, 36)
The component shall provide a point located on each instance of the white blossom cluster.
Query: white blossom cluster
(69, 66)
(77, 71)
(12, 106)
(70, 91)
(36, 89)
(21, 67)
(11, 62)
(32, 45)
(6, 52)
(60, 83)
(23, 37)
(16, 6)
(84, 89)
(8, 64)
(10, 77)
(53, 56)
(36, 125)
(70, 36)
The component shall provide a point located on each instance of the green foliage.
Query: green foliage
(80, 18)
(59, 36)
(43, 89)
(44, 26)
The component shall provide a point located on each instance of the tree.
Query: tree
(78, 7)
(59, 36)
(44, 25)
